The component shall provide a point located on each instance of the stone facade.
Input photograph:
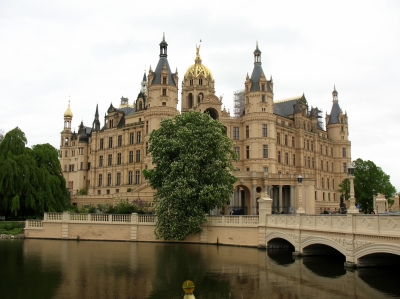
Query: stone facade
(275, 141)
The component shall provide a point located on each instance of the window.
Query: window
(137, 156)
(130, 177)
(164, 92)
(131, 138)
(293, 145)
(109, 160)
(130, 156)
(294, 159)
(236, 133)
(111, 124)
(279, 157)
(320, 149)
(322, 165)
(191, 82)
(344, 152)
(308, 144)
(344, 167)
(138, 137)
(119, 158)
(278, 138)
(263, 87)
(164, 103)
(263, 98)
(119, 140)
(65, 167)
(333, 185)
(286, 140)
(147, 148)
(247, 132)
(110, 143)
(200, 81)
(98, 192)
(308, 162)
(137, 177)
(100, 179)
(312, 162)
(248, 152)
(265, 151)
(264, 130)
(147, 127)
(327, 166)
(265, 169)
(164, 80)
(109, 180)
(101, 161)
(88, 166)
(118, 179)
(81, 165)
(327, 183)
(286, 158)
(237, 151)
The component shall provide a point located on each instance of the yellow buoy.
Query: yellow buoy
(188, 287)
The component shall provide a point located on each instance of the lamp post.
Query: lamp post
(300, 209)
(352, 209)
(373, 201)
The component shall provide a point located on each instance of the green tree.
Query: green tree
(192, 174)
(368, 179)
(31, 180)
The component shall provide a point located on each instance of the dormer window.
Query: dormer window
(262, 87)
(191, 82)
(200, 81)
(111, 123)
(164, 80)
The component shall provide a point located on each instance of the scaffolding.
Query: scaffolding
(238, 103)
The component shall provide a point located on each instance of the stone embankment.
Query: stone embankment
(4, 236)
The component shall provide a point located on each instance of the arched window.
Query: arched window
(66, 141)
(190, 99)
(100, 179)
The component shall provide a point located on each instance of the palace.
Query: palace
(276, 141)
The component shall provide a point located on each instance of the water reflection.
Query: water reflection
(70, 269)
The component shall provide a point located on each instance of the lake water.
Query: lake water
(94, 270)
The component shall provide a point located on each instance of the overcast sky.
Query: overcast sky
(96, 52)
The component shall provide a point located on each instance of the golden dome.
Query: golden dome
(68, 112)
(198, 69)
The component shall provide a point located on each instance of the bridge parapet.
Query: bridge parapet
(363, 224)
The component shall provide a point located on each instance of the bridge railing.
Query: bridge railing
(361, 223)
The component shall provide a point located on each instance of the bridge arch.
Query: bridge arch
(323, 241)
(278, 235)
(376, 248)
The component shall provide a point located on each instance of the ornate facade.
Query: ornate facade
(276, 141)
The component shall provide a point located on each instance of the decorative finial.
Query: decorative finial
(257, 44)
(163, 36)
(334, 87)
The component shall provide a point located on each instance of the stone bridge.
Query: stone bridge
(365, 240)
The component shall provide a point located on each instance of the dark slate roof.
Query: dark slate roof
(285, 108)
(157, 73)
(255, 77)
(335, 111)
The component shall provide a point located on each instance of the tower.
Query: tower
(198, 89)
(258, 90)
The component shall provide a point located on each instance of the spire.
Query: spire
(97, 111)
(68, 112)
(257, 55)
(163, 47)
(334, 94)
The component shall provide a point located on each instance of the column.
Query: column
(253, 200)
(292, 190)
(280, 199)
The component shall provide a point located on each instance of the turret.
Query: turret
(96, 121)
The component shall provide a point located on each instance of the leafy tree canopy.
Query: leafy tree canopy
(368, 179)
(31, 180)
(192, 173)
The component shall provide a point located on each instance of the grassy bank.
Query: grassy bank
(11, 228)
